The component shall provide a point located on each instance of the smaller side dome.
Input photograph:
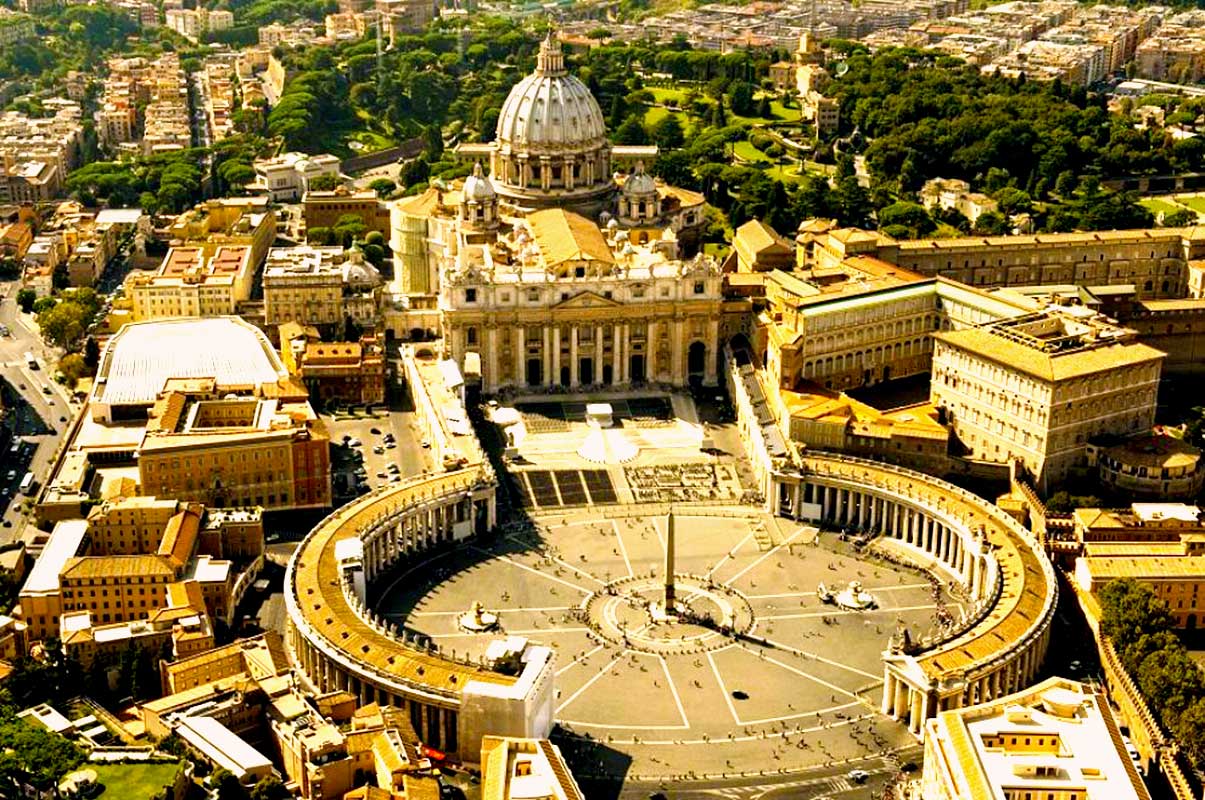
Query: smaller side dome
(477, 187)
(639, 183)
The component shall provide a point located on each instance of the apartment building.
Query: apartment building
(190, 284)
(322, 286)
(214, 443)
(194, 23)
(36, 153)
(1176, 51)
(345, 372)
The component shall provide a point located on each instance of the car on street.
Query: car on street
(858, 775)
(354, 443)
(378, 449)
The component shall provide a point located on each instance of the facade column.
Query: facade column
(709, 376)
(889, 682)
(676, 348)
(492, 378)
(556, 354)
(916, 713)
(520, 356)
(616, 355)
(650, 355)
(598, 354)
(546, 357)
(626, 362)
(574, 376)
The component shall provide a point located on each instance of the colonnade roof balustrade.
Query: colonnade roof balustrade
(1028, 591)
(314, 591)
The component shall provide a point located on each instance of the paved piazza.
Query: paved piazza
(791, 684)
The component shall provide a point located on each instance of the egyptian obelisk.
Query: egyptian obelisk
(669, 563)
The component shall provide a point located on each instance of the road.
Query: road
(822, 783)
(43, 416)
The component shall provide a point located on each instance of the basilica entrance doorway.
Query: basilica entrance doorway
(535, 372)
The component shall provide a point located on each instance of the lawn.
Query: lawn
(654, 114)
(664, 94)
(1197, 203)
(134, 781)
(787, 173)
(745, 150)
(1155, 205)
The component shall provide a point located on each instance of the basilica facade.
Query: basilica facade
(554, 272)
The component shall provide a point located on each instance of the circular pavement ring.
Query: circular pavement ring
(789, 685)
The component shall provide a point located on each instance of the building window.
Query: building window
(698, 287)
(470, 295)
(470, 336)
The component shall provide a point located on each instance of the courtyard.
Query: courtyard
(791, 684)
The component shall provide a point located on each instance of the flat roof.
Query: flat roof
(63, 544)
(142, 356)
(1103, 356)
(223, 746)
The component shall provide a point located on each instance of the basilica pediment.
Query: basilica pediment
(587, 300)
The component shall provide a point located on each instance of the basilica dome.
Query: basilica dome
(551, 149)
(550, 108)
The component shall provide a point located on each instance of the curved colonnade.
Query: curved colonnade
(340, 644)
(1005, 575)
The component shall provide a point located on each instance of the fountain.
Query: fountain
(478, 620)
(855, 598)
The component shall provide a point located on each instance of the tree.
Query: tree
(906, 220)
(383, 187)
(1066, 184)
(227, 785)
(1180, 219)
(25, 299)
(73, 368)
(270, 787)
(324, 183)
(1130, 610)
(740, 97)
(991, 223)
(853, 203)
(91, 354)
(764, 109)
(63, 325)
(667, 133)
(632, 132)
